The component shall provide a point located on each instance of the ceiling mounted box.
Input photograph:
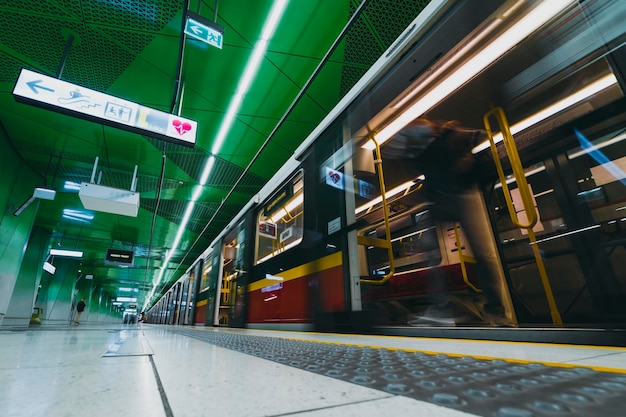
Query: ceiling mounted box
(110, 200)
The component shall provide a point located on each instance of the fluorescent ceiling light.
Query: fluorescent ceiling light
(66, 253)
(597, 146)
(297, 201)
(580, 95)
(249, 73)
(79, 215)
(489, 54)
(397, 190)
(512, 179)
(38, 193)
(573, 232)
(71, 186)
(408, 235)
(449, 62)
(24, 206)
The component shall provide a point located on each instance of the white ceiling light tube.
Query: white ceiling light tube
(394, 191)
(250, 71)
(66, 253)
(488, 55)
(244, 85)
(579, 96)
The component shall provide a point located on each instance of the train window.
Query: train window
(414, 241)
(280, 221)
(206, 273)
(600, 167)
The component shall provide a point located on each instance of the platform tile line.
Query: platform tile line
(491, 388)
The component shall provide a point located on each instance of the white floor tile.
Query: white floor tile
(198, 377)
(396, 406)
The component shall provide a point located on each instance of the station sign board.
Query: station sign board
(119, 257)
(54, 94)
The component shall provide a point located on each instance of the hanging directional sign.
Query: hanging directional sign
(54, 94)
(203, 29)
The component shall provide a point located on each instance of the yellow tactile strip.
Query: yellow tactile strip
(488, 387)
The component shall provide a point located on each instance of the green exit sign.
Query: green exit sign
(203, 29)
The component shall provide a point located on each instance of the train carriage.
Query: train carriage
(343, 235)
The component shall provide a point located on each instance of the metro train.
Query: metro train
(341, 236)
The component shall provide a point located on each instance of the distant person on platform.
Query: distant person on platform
(80, 307)
(442, 153)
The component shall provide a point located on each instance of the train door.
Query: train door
(233, 279)
(176, 294)
(408, 257)
(578, 194)
(195, 275)
(209, 294)
(169, 308)
(184, 298)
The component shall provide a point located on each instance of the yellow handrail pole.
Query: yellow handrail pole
(516, 165)
(554, 311)
(462, 260)
(529, 207)
(381, 180)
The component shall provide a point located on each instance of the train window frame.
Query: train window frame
(280, 220)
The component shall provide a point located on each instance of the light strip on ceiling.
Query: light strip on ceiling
(242, 88)
(488, 55)
(575, 98)
(66, 253)
(598, 145)
(394, 191)
(573, 232)
(297, 201)
(170, 253)
(511, 179)
(249, 73)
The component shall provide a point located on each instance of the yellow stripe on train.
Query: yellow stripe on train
(321, 264)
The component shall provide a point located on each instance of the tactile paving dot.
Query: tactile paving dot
(491, 388)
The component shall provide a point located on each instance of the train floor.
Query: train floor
(152, 370)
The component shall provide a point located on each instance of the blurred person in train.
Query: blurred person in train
(80, 307)
(442, 153)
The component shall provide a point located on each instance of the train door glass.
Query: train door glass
(599, 197)
(578, 197)
(184, 302)
(414, 242)
(190, 297)
(205, 303)
(280, 223)
(233, 284)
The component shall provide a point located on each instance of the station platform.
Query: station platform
(152, 370)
